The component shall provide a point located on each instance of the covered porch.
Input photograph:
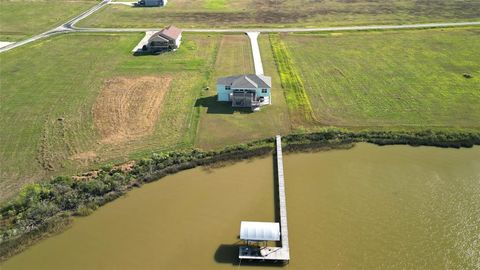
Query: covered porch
(248, 99)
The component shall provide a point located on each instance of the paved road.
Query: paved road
(64, 28)
(280, 30)
(69, 27)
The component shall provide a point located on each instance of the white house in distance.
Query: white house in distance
(251, 90)
(151, 3)
(167, 39)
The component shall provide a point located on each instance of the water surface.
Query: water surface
(368, 207)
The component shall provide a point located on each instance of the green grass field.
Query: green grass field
(391, 78)
(215, 4)
(220, 125)
(20, 19)
(298, 103)
(281, 13)
(61, 77)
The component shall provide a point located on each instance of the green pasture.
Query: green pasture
(60, 78)
(20, 19)
(382, 79)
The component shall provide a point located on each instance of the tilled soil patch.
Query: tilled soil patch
(128, 107)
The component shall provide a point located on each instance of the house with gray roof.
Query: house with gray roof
(249, 90)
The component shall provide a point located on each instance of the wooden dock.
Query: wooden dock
(281, 254)
(282, 200)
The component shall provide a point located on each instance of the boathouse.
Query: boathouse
(259, 231)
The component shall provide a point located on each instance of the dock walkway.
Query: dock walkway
(282, 200)
(274, 253)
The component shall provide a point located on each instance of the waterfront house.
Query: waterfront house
(250, 90)
(167, 39)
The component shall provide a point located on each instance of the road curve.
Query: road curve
(64, 28)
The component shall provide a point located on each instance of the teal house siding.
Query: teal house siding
(222, 94)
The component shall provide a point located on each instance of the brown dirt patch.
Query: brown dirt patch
(128, 107)
(84, 156)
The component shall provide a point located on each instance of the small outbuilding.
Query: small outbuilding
(250, 90)
(167, 39)
(151, 3)
(256, 236)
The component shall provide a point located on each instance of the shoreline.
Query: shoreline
(48, 207)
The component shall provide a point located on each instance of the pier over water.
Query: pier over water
(282, 200)
(257, 232)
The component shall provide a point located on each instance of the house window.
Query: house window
(264, 91)
(227, 87)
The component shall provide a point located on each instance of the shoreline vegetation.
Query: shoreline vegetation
(46, 208)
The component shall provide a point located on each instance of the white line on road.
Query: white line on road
(257, 59)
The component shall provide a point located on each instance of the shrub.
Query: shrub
(83, 211)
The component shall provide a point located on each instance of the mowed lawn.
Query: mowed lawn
(391, 78)
(281, 13)
(20, 19)
(49, 88)
(220, 124)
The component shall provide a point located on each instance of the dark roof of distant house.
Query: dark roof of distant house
(157, 37)
(246, 81)
(170, 33)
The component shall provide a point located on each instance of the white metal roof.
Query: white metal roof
(259, 231)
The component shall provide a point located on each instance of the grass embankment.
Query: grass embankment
(20, 19)
(222, 125)
(297, 100)
(44, 208)
(49, 89)
(293, 13)
(387, 79)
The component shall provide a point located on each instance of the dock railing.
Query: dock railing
(282, 199)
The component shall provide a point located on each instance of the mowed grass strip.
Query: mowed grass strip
(215, 4)
(391, 78)
(297, 100)
(49, 88)
(20, 19)
(222, 125)
(292, 13)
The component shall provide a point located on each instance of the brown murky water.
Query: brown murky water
(370, 207)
